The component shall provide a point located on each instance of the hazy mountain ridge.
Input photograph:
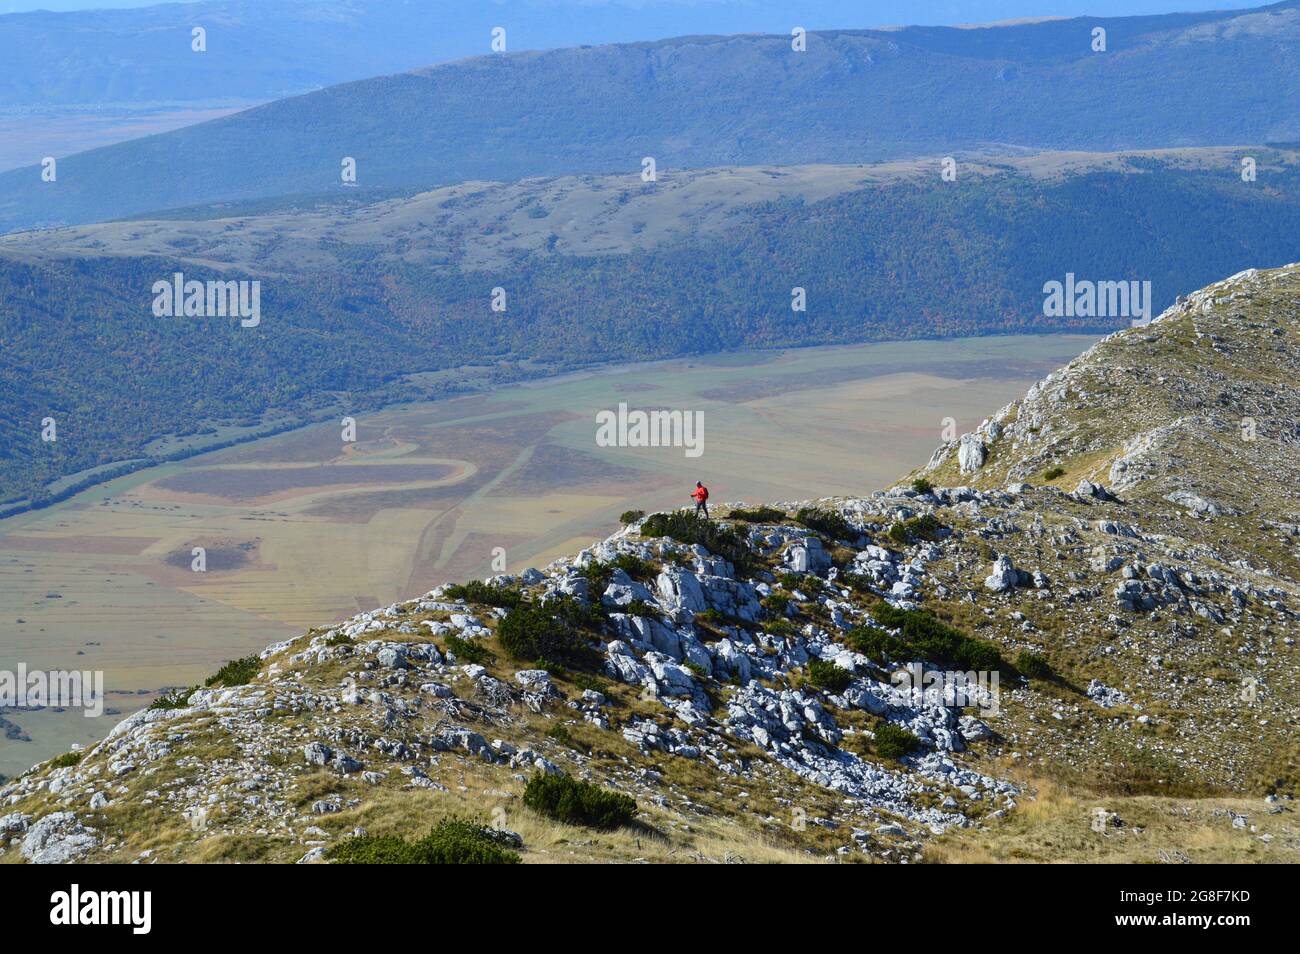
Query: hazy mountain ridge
(741, 693)
(266, 50)
(693, 102)
(259, 51)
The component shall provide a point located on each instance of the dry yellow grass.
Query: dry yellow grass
(475, 792)
(1055, 825)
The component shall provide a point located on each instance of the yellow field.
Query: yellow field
(302, 529)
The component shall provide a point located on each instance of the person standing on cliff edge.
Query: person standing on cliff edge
(701, 498)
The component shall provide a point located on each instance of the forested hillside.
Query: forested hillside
(345, 320)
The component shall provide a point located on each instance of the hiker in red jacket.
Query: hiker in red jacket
(701, 498)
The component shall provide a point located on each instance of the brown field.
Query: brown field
(268, 484)
(302, 529)
(128, 546)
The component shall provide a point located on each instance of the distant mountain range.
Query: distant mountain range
(266, 49)
(260, 50)
(360, 301)
(692, 102)
(81, 80)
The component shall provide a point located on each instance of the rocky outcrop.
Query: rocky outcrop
(971, 453)
(1003, 577)
(56, 839)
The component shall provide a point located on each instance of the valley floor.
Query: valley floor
(301, 529)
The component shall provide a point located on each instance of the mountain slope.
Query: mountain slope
(80, 80)
(737, 680)
(266, 50)
(693, 102)
(360, 301)
(1184, 442)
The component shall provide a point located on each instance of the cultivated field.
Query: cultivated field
(302, 528)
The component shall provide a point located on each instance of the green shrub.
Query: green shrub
(631, 516)
(1033, 665)
(338, 639)
(176, 699)
(585, 680)
(777, 603)
(237, 672)
(66, 760)
(858, 582)
(922, 486)
(373, 850)
(560, 733)
(685, 528)
(640, 607)
(826, 522)
(452, 841)
(466, 650)
(576, 802)
(915, 530)
(599, 574)
(1053, 472)
(926, 637)
(485, 594)
(757, 515)
(925, 527)
(874, 643)
(894, 742)
(978, 654)
(636, 567)
(826, 675)
(554, 630)
(780, 627)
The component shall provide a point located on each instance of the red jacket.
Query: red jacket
(701, 494)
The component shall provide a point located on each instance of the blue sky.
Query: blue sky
(755, 14)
